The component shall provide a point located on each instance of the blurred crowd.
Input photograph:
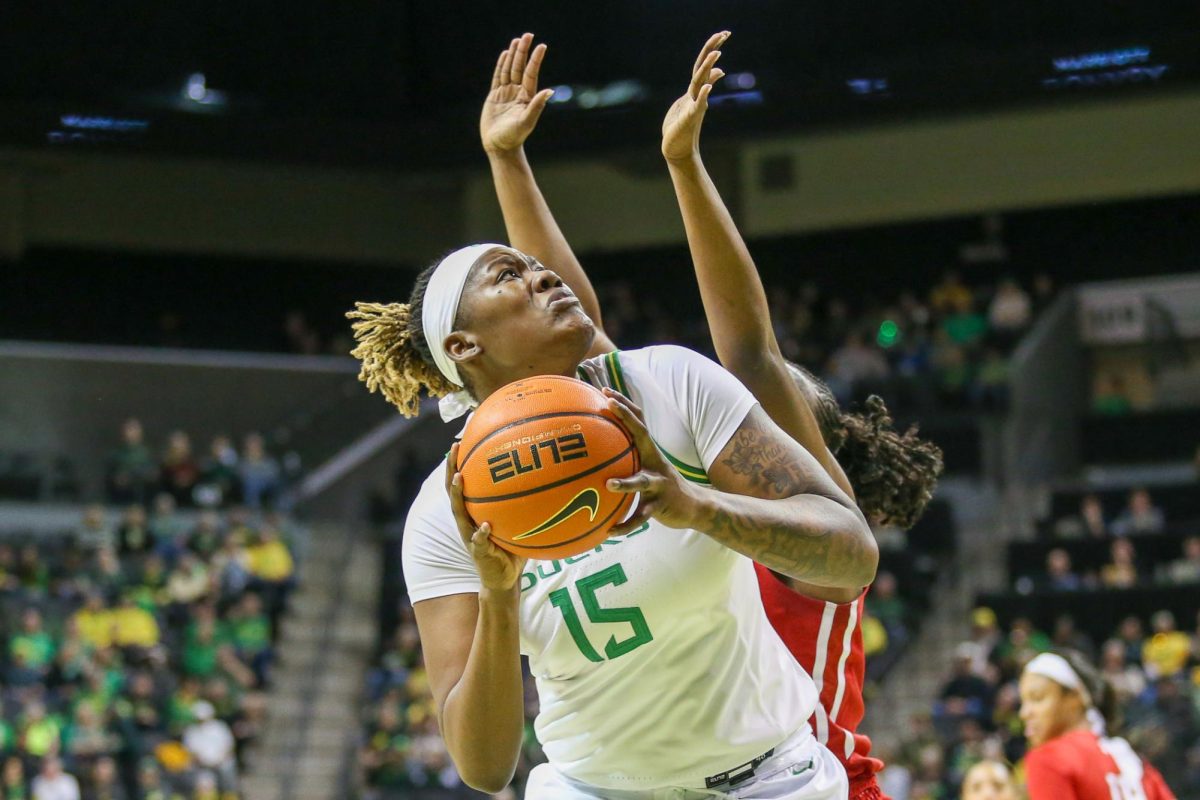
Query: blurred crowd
(224, 477)
(137, 647)
(944, 347)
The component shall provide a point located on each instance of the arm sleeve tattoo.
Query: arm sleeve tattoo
(777, 506)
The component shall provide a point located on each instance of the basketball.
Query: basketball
(534, 460)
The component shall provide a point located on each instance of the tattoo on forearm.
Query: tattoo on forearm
(801, 539)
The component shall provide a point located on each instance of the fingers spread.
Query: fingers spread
(530, 80)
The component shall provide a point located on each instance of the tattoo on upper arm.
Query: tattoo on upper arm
(756, 454)
(813, 541)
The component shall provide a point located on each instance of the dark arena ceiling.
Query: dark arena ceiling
(398, 84)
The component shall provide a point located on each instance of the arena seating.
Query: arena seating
(137, 648)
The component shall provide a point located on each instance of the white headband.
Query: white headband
(438, 310)
(1056, 668)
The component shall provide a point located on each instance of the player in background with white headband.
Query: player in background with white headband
(1068, 708)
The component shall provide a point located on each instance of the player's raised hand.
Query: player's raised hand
(514, 104)
(665, 495)
(498, 569)
(681, 127)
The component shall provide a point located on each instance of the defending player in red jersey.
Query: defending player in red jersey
(1071, 755)
(891, 476)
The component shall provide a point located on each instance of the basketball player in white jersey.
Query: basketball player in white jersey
(658, 673)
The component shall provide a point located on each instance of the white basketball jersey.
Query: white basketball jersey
(654, 660)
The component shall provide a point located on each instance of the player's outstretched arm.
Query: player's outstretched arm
(734, 300)
(473, 655)
(774, 503)
(510, 113)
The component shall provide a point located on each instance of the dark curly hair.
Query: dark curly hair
(893, 474)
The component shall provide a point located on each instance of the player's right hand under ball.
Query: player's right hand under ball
(498, 569)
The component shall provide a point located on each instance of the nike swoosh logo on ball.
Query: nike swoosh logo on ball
(588, 499)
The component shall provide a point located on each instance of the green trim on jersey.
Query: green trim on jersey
(693, 474)
(616, 377)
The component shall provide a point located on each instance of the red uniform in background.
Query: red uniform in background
(1082, 766)
(826, 638)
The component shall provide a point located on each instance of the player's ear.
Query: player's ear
(463, 347)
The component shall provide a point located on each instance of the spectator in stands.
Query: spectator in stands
(1121, 572)
(187, 583)
(12, 776)
(988, 780)
(986, 634)
(205, 539)
(1089, 523)
(219, 477)
(1111, 398)
(135, 538)
(231, 566)
(105, 783)
(94, 531)
(211, 744)
(1127, 678)
(1067, 636)
(1167, 650)
(10, 581)
(33, 646)
(856, 364)
(1132, 636)
(250, 633)
(1011, 310)
(179, 469)
(1059, 575)
(94, 622)
(885, 604)
(131, 472)
(965, 326)
(271, 567)
(104, 573)
(260, 474)
(965, 694)
(950, 295)
(52, 783)
(1024, 641)
(1140, 516)
(32, 571)
(1187, 569)
(87, 737)
(165, 525)
(133, 627)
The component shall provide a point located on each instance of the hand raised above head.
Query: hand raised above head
(681, 127)
(514, 104)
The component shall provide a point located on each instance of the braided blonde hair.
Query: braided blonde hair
(395, 356)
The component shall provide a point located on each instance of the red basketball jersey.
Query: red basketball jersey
(1082, 766)
(826, 638)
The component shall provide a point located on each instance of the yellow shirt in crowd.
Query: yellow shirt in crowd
(270, 561)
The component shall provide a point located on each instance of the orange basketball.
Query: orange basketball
(535, 458)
